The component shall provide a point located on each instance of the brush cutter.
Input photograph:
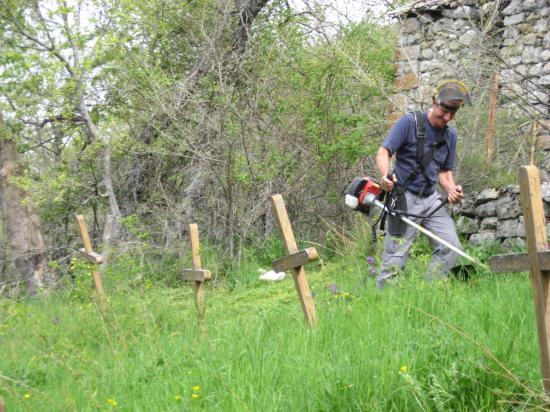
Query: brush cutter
(362, 193)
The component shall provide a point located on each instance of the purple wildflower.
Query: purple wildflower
(370, 260)
(334, 289)
(373, 272)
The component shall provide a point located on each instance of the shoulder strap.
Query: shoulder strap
(420, 137)
(422, 158)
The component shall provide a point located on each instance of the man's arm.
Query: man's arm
(447, 182)
(383, 163)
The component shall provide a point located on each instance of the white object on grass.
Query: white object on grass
(273, 276)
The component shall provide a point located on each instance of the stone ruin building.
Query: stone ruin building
(502, 42)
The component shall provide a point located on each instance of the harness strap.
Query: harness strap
(423, 159)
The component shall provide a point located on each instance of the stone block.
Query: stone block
(467, 206)
(430, 66)
(541, 26)
(530, 39)
(469, 37)
(465, 12)
(545, 190)
(539, 96)
(544, 56)
(543, 142)
(489, 223)
(408, 53)
(507, 228)
(514, 19)
(521, 70)
(509, 41)
(410, 39)
(510, 190)
(427, 53)
(459, 24)
(486, 195)
(467, 225)
(514, 243)
(486, 236)
(508, 207)
(510, 33)
(521, 228)
(425, 18)
(410, 25)
(529, 5)
(513, 8)
(535, 70)
(487, 209)
(406, 82)
(530, 54)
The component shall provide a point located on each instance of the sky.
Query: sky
(343, 11)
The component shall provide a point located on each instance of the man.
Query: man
(415, 178)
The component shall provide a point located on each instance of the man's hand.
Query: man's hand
(387, 184)
(455, 195)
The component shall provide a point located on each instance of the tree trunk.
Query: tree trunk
(111, 229)
(21, 221)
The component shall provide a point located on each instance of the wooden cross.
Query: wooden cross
(196, 274)
(536, 260)
(295, 260)
(95, 258)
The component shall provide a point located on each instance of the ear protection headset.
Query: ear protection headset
(453, 90)
(461, 86)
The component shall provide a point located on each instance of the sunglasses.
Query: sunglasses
(448, 108)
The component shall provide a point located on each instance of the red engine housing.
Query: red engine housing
(369, 188)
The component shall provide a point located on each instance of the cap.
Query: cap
(449, 90)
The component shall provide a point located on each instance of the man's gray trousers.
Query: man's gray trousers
(396, 249)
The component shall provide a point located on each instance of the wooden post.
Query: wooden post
(537, 262)
(88, 254)
(197, 274)
(493, 93)
(535, 231)
(533, 149)
(2, 405)
(296, 260)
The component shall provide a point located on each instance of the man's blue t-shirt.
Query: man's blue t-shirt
(401, 142)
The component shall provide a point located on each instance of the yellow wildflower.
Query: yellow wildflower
(112, 402)
(195, 395)
(177, 398)
(27, 396)
(403, 369)
(196, 388)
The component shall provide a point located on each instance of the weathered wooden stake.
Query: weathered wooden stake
(295, 260)
(95, 258)
(197, 274)
(537, 261)
(493, 94)
(533, 149)
(2, 405)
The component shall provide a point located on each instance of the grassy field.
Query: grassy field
(458, 345)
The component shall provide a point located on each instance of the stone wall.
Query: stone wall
(525, 49)
(471, 40)
(496, 215)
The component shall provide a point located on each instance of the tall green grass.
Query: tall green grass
(452, 346)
